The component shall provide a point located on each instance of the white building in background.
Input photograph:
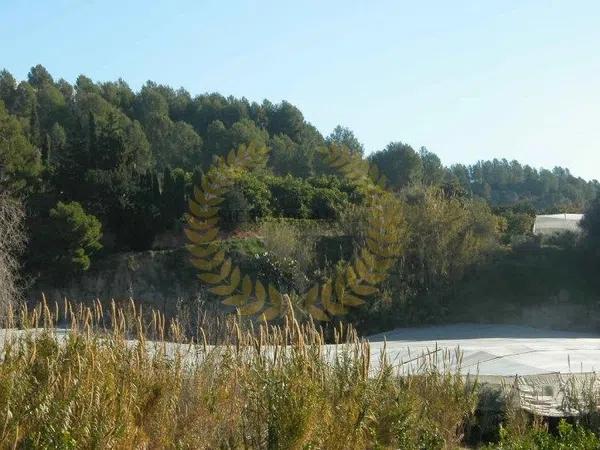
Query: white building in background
(557, 223)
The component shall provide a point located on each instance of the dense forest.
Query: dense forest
(102, 169)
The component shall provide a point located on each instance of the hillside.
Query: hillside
(105, 173)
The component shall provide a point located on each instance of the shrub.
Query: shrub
(291, 197)
(256, 192)
(326, 203)
(517, 222)
(74, 235)
(569, 437)
(235, 210)
(289, 249)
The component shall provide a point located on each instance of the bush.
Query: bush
(291, 197)
(257, 194)
(565, 239)
(234, 211)
(326, 203)
(75, 237)
(289, 250)
(569, 437)
(445, 237)
(517, 222)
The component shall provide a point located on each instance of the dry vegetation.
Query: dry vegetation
(117, 380)
(12, 239)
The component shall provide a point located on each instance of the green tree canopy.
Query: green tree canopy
(75, 237)
(20, 162)
(399, 163)
(345, 137)
(591, 228)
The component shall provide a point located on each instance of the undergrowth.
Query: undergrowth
(82, 377)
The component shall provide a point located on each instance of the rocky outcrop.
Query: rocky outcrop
(157, 278)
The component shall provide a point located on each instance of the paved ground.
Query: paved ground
(498, 350)
(538, 366)
(493, 349)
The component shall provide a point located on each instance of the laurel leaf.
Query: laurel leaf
(380, 250)
(352, 300)
(247, 286)
(200, 225)
(212, 278)
(198, 238)
(311, 295)
(251, 308)
(274, 295)
(340, 286)
(377, 233)
(260, 292)
(363, 290)
(376, 278)
(223, 290)
(206, 199)
(206, 184)
(373, 246)
(326, 292)
(235, 300)
(361, 269)
(202, 264)
(384, 264)
(231, 157)
(354, 175)
(373, 171)
(367, 256)
(219, 257)
(376, 259)
(349, 166)
(367, 275)
(340, 161)
(202, 212)
(234, 281)
(335, 308)
(271, 313)
(350, 275)
(317, 313)
(202, 251)
(211, 184)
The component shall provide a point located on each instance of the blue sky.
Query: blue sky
(468, 80)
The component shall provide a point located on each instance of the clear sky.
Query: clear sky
(469, 80)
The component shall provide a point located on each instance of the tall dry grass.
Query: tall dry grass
(81, 377)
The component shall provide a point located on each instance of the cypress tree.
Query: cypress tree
(92, 139)
(34, 124)
(179, 194)
(167, 199)
(47, 150)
